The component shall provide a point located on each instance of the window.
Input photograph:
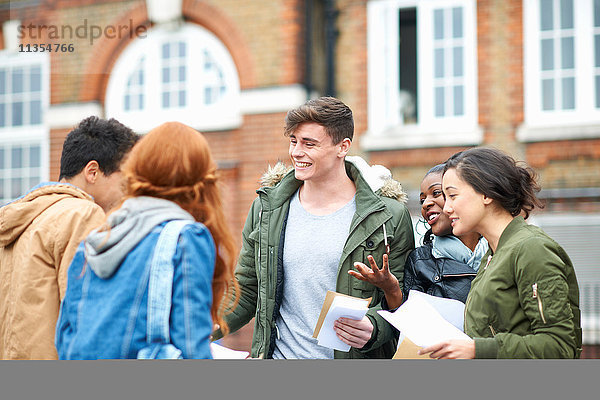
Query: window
(152, 81)
(562, 69)
(173, 62)
(134, 90)
(422, 74)
(24, 99)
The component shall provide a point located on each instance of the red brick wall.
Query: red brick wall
(57, 138)
(500, 70)
(566, 164)
(351, 62)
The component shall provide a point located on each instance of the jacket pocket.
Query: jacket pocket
(361, 286)
(546, 301)
(254, 238)
(372, 246)
(272, 270)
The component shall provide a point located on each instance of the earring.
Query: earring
(421, 222)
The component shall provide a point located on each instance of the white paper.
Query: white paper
(340, 307)
(221, 353)
(419, 319)
(451, 310)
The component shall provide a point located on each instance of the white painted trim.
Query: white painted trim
(272, 99)
(565, 219)
(70, 114)
(10, 31)
(526, 133)
(413, 136)
(162, 11)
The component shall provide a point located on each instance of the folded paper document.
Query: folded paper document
(424, 320)
(337, 305)
(408, 350)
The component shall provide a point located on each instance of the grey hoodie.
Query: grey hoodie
(106, 250)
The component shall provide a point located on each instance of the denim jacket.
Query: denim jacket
(106, 318)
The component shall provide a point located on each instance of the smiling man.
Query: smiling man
(305, 231)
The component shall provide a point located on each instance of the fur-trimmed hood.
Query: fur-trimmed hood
(378, 177)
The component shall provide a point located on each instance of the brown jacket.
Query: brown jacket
(39, 234)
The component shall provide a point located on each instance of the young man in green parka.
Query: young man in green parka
(304, 232)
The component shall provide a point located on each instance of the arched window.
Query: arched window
(184, 75)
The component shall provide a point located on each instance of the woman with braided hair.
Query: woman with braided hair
(167, 243)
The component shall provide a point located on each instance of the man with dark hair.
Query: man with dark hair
(40, 232)
(305, 231)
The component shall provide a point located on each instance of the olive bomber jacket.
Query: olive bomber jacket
(260, 267)
(525, 302)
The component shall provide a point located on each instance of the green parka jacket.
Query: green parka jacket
(260, 267)
(525, 302)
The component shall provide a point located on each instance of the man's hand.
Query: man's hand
(455, 348)
(382, 278)
(354, 332)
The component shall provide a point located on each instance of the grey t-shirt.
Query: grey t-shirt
(311, 255)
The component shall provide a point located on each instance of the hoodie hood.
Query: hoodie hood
(106, 250)
(16, 216)
(378, 177)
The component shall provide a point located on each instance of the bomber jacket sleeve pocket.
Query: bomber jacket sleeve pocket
(544, 305)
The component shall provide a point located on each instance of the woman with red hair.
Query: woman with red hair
(149, 283)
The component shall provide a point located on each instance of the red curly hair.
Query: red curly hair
(173, 162)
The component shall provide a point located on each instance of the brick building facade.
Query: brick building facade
(512, 74)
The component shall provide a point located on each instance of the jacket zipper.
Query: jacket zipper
(258, 307)
(539, 301)
(465, 310)
(488, 262)
(259, 238)
(271, 265)
(469, 297)
(492, 330)
(459, 275)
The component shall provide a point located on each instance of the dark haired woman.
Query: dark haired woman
(130, 292)
(524, 302)
(444, 266)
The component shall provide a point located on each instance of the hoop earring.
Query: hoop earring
(422, 223)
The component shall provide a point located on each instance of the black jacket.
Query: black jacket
(442, 277)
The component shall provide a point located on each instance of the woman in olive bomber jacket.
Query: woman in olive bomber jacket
(524, 302)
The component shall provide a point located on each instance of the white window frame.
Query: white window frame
(581, 122)
(385, 126)
(224, 114)
(27, 135)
